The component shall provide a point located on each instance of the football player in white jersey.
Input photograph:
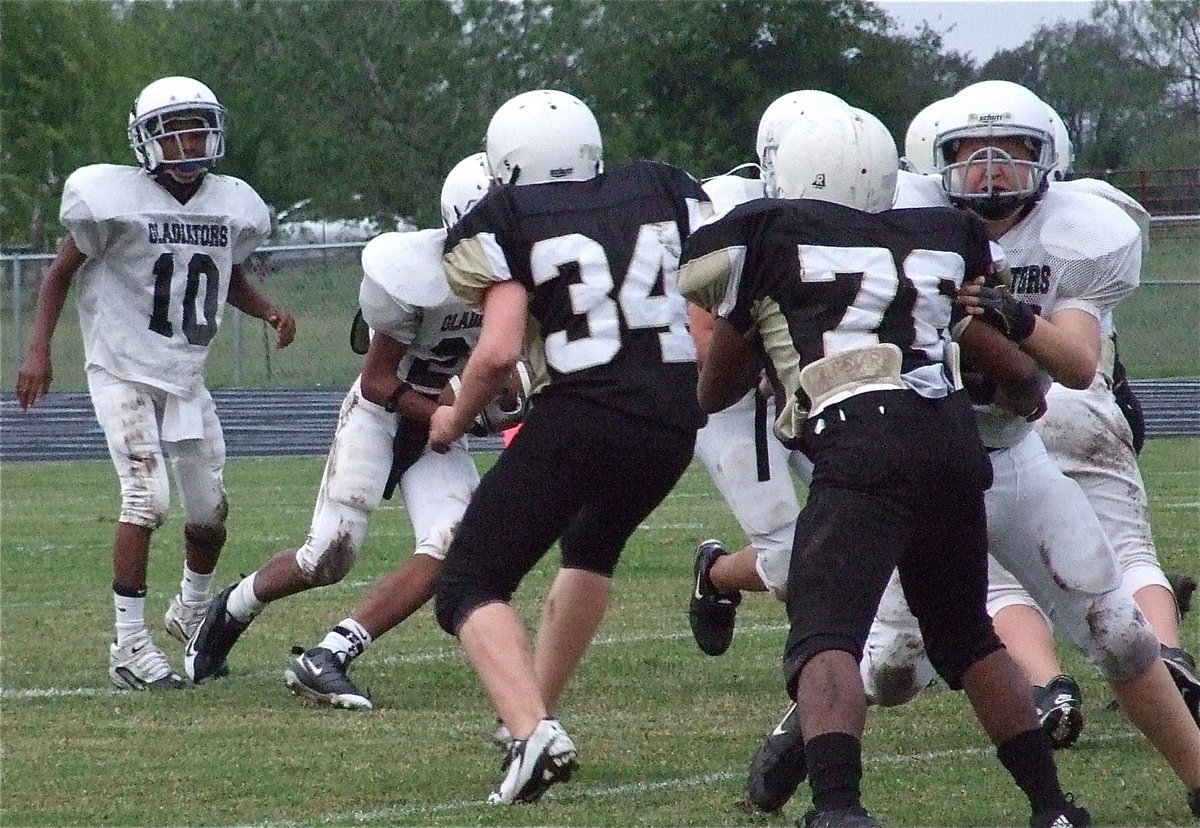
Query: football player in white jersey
(995, 150)
(422, 336)
(1102, 459)
(158, 250)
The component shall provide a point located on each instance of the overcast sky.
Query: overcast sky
(981, 27)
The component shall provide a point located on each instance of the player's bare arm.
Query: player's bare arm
(250, 301)
(382, 386)
(37, 372)
(1067, 346)
(730, 370)
(1018, 386)
(505, 311)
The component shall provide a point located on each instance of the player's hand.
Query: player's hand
(33, 379)
(444, 428)
(999, 308)
(1027, 403)
(285, 326)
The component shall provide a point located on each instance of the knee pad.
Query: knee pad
(1123, 644)
(895, 676)
(325, 558)
(145, 493)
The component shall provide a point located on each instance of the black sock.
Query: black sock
(1029, 758)
(129, 592)
(834, 770)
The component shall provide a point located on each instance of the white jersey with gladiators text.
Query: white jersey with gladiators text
(151, 293)
(405, 295)
(1075, 249)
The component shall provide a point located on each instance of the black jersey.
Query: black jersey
(840, 278)
(600, 260)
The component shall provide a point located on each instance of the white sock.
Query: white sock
(243, 604)
(195, 587)
(349, 638)
(131, 616)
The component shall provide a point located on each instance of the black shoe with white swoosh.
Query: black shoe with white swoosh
(204, 655)
(1068, 816)
(779, 766)
(1060, 710)
(320, 674)
(710, 613)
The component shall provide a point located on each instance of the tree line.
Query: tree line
(362, 107)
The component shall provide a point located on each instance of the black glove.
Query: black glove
(1012, 317)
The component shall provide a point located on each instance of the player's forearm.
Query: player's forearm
(247, 298)
(52, 295)
(1070, 358)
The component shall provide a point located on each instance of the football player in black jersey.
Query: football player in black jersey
(582, 264)
(863, 298)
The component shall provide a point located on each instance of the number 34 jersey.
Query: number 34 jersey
(600, 260)
(152, 290)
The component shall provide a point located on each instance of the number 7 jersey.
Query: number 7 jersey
(600, 260)
(151, 293)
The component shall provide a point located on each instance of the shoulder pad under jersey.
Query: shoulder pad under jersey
(408, 266)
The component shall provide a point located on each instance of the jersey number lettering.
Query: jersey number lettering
(921, 294)
(200, 265)
(584, 263)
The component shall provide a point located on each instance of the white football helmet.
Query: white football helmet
(1064, 150)
(544, 135)
(777, 118)
(995, 109)
(173, 98)
(918, 140)
(466, 184)
(839, 154)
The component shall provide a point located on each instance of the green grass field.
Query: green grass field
(1157, 324)
(664, 732)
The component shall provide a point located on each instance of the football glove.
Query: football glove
(1012, 317)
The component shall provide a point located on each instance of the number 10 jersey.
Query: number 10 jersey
(152, 290)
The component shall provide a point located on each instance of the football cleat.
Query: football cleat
(854, 817)
(1060, 710)
(320, 674)
(183, 617)
(778, 767)
(536, 763)
(1068, 816)
(204, 655)
(710, 613)
(1182, 668)
(139, 664)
